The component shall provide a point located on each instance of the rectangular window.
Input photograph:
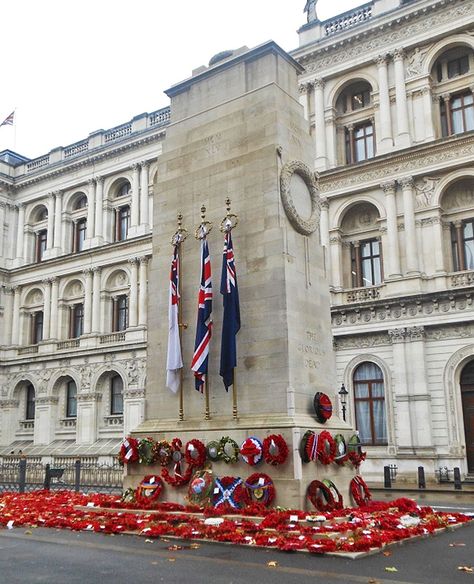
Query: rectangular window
(30, 403)
(360, 143)
(76, 326)
(120, 313)
(366, 263)
(458, 117)
(122, 221)
(71, 399)
(41, 243)
(79, 235)
(458, 66)
(37, 327)
(462, 245)
(116, 395)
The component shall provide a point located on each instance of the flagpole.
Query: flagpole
(201, 234)
(227, 224)
(179, 236)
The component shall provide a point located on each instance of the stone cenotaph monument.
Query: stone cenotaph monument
(237, 131)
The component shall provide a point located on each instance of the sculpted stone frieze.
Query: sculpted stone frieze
(383, 37)
(361, 341)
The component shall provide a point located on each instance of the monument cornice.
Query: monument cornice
(386, 32)
(445, 153)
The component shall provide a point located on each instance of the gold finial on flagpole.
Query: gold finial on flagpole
(181, 233)
(230, 220)
(205, 227)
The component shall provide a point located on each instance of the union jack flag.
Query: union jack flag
(8, 121)
(231, 317)
(204, 321)
(174, 360)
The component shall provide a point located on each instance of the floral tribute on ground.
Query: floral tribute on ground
(340, 531)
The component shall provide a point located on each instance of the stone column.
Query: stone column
(21, 326)
(428, 113)
(58, 212)
(403, 131)
(133, 300)
(336, 259)
(8, 315)
(144, 165)
(87, 300)
(55, 325)
(142, 299)
(320, 129)
(400, 389)
(16, 315)
(304, 98)
(135, 206)
(419, 394)
(386, 140)
(392, 254)
(47, 308)
(20, 235)
(2, 228)
(50, 237)
(437, 239)
(91, 208)
(324, 236)
(99, 206)
(331, 138)
(96, 300)
(411, 247)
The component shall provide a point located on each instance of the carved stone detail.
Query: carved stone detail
(303, 226)
(90, 396)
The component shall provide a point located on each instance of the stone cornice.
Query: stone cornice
(385, 32)
(90, 158)
(442, 153)
(389, 311)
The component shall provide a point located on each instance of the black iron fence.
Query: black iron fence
(87, 476)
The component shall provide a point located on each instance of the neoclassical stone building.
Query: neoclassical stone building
(387, 90)
(75, 241)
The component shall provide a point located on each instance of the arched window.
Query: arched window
(30, 402)
(369, 399)
(123, 190)
(116, 395)
(456, 203)
(71, 399)
(80, 203)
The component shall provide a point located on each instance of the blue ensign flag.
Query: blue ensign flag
(231, 318)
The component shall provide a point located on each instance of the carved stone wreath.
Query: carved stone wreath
(301, 225)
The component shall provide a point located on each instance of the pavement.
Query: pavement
(30, 556)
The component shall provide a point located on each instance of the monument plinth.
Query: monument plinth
(237, 131)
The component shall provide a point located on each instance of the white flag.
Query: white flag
(174, 361)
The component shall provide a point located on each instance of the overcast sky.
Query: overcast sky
(69, 68)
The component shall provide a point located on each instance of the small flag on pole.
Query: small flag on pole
(174, 361)
(8, 121)
(204, 320)
(231, 318)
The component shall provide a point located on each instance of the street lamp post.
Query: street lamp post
(343, 393)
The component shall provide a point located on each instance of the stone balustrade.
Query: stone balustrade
(348, 19)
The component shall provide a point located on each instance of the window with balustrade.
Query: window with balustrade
(30, 402)
(116, 395)
(452, 77)
(77, 218)
(366, 263)
(79, 234)
(76, 321)
(462, 245)
(369, 402)
(71, 399)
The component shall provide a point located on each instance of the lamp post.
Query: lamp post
(343, 393)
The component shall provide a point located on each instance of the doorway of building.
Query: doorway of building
(467, 394)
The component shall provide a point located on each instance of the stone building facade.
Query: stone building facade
(387, 91)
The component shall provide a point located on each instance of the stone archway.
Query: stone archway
(467, 398)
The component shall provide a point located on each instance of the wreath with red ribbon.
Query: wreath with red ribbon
(309, 446)
(230, 492)
(261, 488)
(195, 453)
(129, 451)
(179, 478)
(323, 407)
(360, 491)
(149, 490)
(356, 458)
(163, 452)
(146, 450)
(275, 449)
(251, 451)
(321, 496)
(338, 501)
(326, 448)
